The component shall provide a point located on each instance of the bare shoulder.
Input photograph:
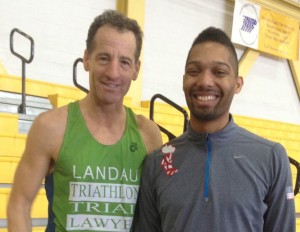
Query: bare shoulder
(48, 129)
(150, 132)
(39, 157)
(52, 120)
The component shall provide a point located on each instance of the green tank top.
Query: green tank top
(95, 185)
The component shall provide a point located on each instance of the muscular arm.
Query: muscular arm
(41, 148)
(150, 133)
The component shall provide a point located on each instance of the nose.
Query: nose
(112, 69)
(205, 79)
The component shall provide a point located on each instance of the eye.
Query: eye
(103, 59)
(192, 72)
(221, 69)
(125, 63)
(219, 72)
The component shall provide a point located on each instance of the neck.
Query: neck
(209, 126)
(106, 112)
(105, 122)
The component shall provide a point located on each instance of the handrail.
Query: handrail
(179, 108)
(297, 182)
(22, 106)
(75, 75)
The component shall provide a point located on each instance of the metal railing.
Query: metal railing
(22, 106)
(297, 182)
(173, 104)
(75, 75)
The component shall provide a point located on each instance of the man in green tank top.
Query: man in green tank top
(90, 152)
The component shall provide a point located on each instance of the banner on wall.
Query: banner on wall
(264, 30)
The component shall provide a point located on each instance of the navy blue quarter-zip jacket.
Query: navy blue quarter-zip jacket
(230, 180)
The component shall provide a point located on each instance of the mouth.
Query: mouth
(205, 98)
(110, 85)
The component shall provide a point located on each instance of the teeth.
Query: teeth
(206, 98)
(111, 85)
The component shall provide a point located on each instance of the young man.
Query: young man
(91, 151)
(217, 176)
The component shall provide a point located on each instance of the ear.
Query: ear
(137, 67)
(86, 61)
(239, 82)
(183, 78)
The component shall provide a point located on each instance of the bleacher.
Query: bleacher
(44, 96)
(13, 130)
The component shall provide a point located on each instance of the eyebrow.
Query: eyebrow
(121, 57)
(223, 64)
(102, 54)
(195, 62)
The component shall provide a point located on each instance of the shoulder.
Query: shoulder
(150, 132)
(51, 119)
(48, 128)
(244, 134)
(258, 145)
(44, 140)
(145, 123)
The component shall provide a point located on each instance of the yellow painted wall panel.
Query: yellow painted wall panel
(6, 172)
(38, 229)
(8, 167)
(38, 88)
(3, 199)
(9, 122)
(12, 144)
(7, 145)
(297, 203)
(58, 100)
(20, 142)
(34, 229)
(39, 207)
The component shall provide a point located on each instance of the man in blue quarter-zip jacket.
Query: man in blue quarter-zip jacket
(216, 176)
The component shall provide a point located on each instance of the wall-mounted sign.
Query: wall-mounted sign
(264, 30)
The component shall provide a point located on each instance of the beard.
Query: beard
(209, 113)
(204, 115)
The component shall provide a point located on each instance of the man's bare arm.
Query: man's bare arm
(41, 145)
(150, 133)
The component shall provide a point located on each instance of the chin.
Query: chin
(204, 116)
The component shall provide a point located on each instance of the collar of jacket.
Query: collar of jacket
(216, 138)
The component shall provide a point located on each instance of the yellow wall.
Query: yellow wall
(134, 9)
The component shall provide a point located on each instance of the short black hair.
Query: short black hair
(212, 34)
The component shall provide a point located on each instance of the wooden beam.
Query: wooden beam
(247, 61)
(295, 69)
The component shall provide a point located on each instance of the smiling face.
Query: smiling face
(111, 64)
(209, 84)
